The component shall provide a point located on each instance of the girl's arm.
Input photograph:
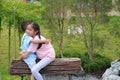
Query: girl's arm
(24, 55)
(46, 41)
(33, 47)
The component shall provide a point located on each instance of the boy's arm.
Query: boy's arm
(46, 41)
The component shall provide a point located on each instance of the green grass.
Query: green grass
(4, 57)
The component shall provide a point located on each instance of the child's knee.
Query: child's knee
(34, 70)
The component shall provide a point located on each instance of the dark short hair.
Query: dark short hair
(24, 25)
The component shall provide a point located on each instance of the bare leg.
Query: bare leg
(32, 77)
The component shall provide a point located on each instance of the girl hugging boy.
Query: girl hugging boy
(34, 45)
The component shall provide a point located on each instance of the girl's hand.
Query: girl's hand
(47, 41)
(21, 52)
(23, 55)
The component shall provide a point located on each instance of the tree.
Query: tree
(90, 12)
(118, 4)
(55, 16)
(1, 17)
(12, 13)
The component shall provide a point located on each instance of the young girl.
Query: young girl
(25, 43)
(45, 52)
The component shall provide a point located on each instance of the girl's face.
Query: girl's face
(30, 31)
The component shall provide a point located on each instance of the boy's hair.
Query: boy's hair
(24, 25)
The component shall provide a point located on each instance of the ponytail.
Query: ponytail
(40, 44)
(37, 28)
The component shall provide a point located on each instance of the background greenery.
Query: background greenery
(106, 36)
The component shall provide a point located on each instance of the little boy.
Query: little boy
(25, 43)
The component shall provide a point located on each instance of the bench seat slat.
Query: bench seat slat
(59, 66)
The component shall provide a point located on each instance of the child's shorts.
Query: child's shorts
(31, 60)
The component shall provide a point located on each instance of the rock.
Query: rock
(107, 73)
(70, 77)
(112, 73)
(113, 77)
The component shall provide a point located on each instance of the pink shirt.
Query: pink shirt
(46, 50)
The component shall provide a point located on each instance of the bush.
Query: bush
(99, 62)
(72, 52)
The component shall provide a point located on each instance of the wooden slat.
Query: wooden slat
(59, 66)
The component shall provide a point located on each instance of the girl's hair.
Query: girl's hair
(24, 25)
(36, 27)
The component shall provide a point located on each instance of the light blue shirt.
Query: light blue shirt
(25, 43)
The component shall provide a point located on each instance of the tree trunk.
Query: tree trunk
(9, 43)
(91, 43)
(0, 26)
(60, 33)
(15, 43)
(92, 25)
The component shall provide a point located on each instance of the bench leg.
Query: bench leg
(70, 77)
(22, 77)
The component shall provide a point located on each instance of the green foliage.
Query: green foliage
(55, 19)
(118, 4)
(104, 5)
(18, 11)
(103, 19)
(72, 53)
(73, 20)
(115, 23)
(70, 50)
(99, 62)
(100, 5)
(92, 14)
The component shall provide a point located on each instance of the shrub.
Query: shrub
(74, 52)
(99, 62)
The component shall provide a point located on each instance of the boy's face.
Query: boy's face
(30, 31)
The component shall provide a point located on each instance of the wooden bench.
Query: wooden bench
(59, 66)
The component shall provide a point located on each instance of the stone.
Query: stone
(113, 77)
(70, 77)
(112, 73)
